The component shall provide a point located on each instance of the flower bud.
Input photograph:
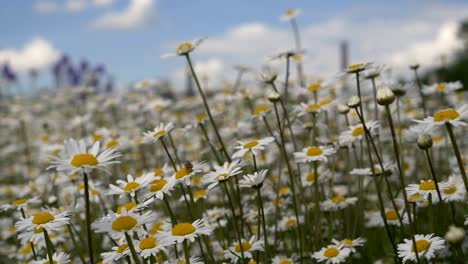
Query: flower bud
(385, 96)
(455, 234)
(343, 109)
(424, 141)
(354, 102)
(273, 96)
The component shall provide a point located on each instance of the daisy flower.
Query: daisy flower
(357, 68)
(255, 146)
(187, 172)
(425, 188)
(426, 246)
(261, 111)
(443, 88)
(337, 203)
(284, 260)
(184, 48)
(20, 204)
(131, 186)
(157, 133)
(315, 153)
(185, 231)
(350, 243)
(78, 157)
(454, 191)
(332, 254)
(57, 258)
(254, 180)
(289, 222)
(234, 252)
(193, 260)
(322, 175)
(308, 108)
(290, 14)
(222, 173)
(356, 132)
(148, 246)
(117, 224)
(451, 116)
(117, 253)
(48, 219)
(160, 187)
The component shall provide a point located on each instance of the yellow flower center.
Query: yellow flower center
(201, 117)
(421, 245)
(183, 172)
(158, 185)
(97, 137)
(85, 159)
(313, 107)
(348, 242)
(314, 151)
(147, 243)
(199, 193)
(391, 215)
(183, 229)
(311, 177)
(222, 176)
(38, 230)
(325, 102)
(451, 189)
(127, 207)
(355, 66)
(331, 252)
(122, 248)
(156, 228)
(314, 87)
(251, 144)
(26, 249)
(131, 186)
(42, 218)
(184, 48)
(290, 12)
(285, 261)
(427, 185)
(19, 202)
(47, 262)
(261, 109)
(112, 143)
(338, 199)
(160, 133)
(124, 223)
(358, 131)
(415, 197)
(245, 246)
(446, 114)
(158, 172)
(291, 222)
(283, 190)
(441, 87)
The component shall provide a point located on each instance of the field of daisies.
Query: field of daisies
(284, 169)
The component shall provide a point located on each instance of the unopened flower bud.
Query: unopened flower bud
(385, 96)
(424, 141)
(354, 102)
(343, 109)
(273, 96)
(455, 234)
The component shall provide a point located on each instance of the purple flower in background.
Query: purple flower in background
(8, 74)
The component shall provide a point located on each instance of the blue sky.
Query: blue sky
(131, 50)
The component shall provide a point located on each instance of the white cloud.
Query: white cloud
(76, 5)
(396, 40)
(137, 14)
(45, 7)
(36, 54)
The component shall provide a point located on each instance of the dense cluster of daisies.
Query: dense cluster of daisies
(289, 172)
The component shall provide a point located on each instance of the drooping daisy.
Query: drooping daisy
(290, 14)
(454, 191)
(77, 157)
(426, 188)
(254, 180)
(184, 174)
(426, 246)
(48, 219)
(184, 48)
(255, 146)
(118, 252)
(248, 247)
(117, 224)
(315, 153)
(131, 186)
(185, 231)
(222, 173)
(157, 133)
(350, 243)
(148, 246)
(57, 258)
(332, 254)
(337, 203)
(451, 116)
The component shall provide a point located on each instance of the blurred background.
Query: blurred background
(111, 44)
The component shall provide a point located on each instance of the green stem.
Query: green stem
(186, 252)
(48, 246)
(88, 218)
(457, 154)
(132, 248)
